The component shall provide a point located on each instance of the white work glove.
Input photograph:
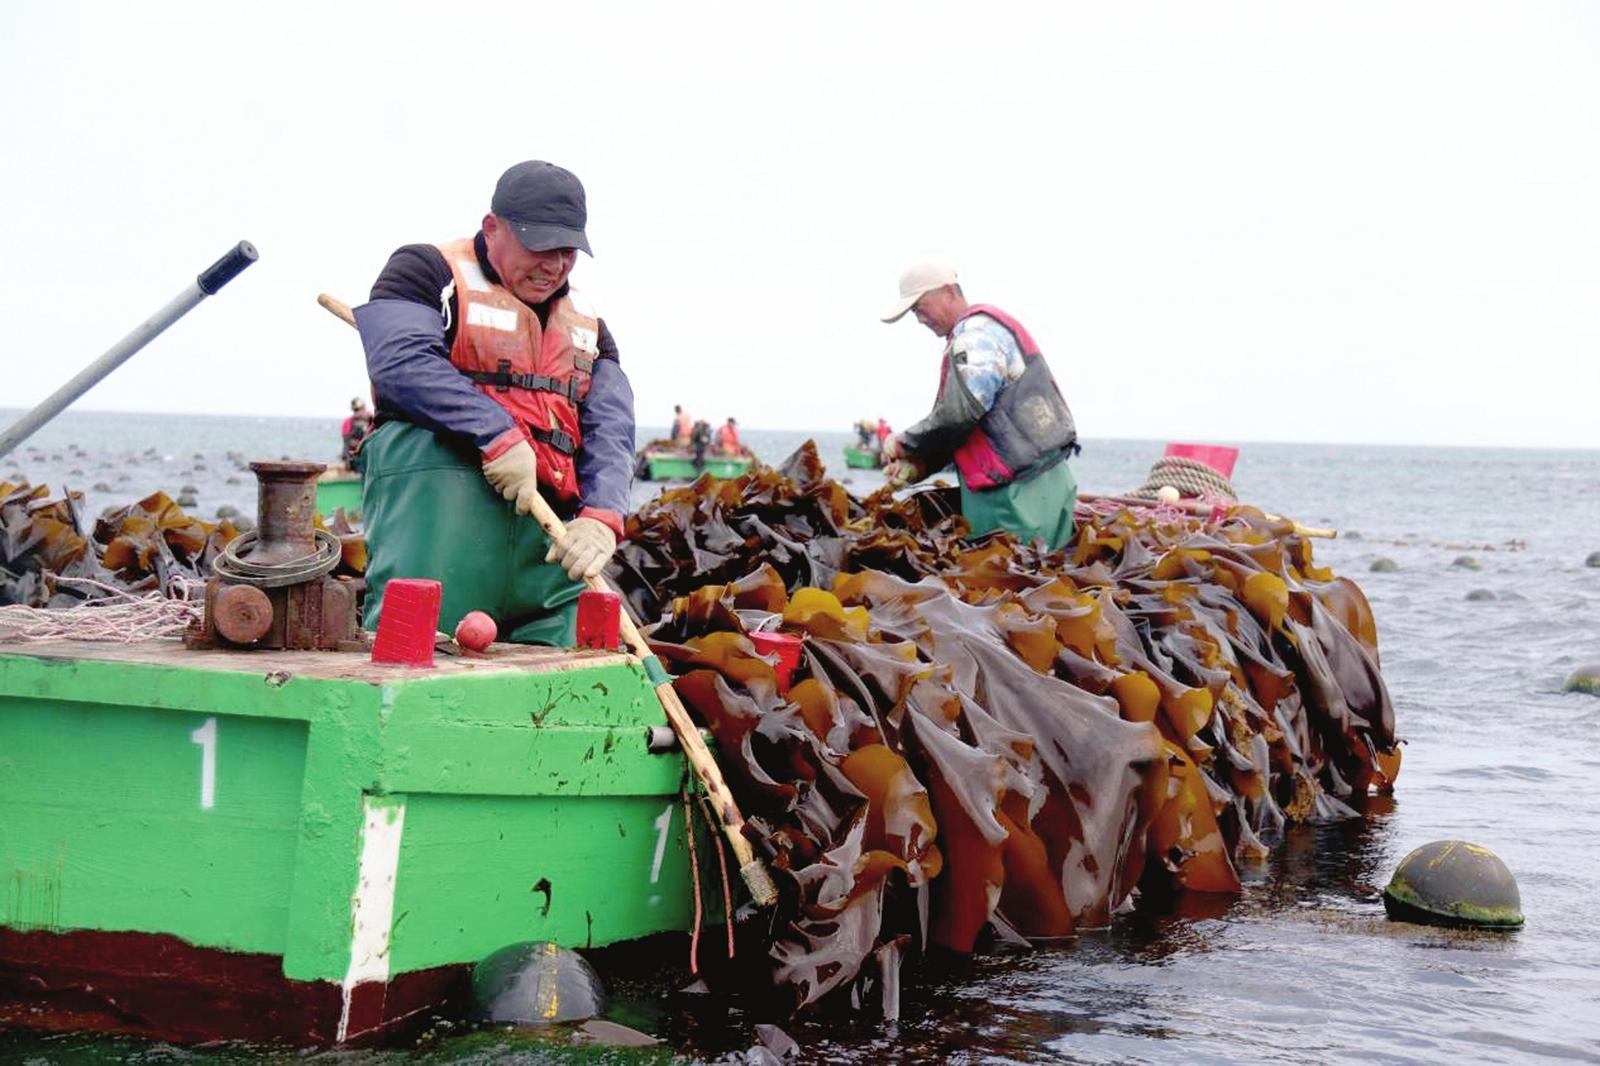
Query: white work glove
(585, 549)
(890, 448)
(902, 472)
(514, 474)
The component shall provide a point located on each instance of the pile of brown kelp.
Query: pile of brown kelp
(138, 547)
(984, 739)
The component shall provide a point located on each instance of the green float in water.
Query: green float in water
(304, 846)
(1585, 679)
(535, 984)
(1451, 882)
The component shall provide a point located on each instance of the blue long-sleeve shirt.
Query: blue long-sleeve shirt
(408, 328)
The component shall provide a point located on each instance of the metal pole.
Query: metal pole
(212, 279)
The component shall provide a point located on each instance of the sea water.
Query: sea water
(1303, 967)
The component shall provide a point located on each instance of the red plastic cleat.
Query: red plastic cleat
(599, 619)
(786, 646)
(407, 622)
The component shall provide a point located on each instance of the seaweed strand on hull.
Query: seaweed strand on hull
(985, 740)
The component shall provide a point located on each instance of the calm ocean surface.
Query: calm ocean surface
(1304, 967)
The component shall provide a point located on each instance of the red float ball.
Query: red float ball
(476, 631)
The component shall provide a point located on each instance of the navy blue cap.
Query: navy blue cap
(544, 204)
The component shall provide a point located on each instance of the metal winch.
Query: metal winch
(272, 587)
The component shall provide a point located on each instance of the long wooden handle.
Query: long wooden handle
(694, 746)
(338, 308)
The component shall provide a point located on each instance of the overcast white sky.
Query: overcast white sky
(1333, 222)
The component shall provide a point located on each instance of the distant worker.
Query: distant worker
(496, 385)
(883, 431)
(728, 439)
(999, 416)
(699, 442)
(682, 427)
(864, 434)
(353, 432)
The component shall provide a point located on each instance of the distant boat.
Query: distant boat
(338, 487)
(863, 458)
(670, 464)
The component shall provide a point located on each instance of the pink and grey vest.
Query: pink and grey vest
(1029, 426)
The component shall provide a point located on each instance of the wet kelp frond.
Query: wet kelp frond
(986, 737)
(136, 547)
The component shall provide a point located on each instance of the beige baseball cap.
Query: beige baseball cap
(917, 283)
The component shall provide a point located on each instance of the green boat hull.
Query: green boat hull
(339, 491)
(666, 466)
(352, 836)
(862, 459)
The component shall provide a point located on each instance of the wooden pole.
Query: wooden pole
(751, 868)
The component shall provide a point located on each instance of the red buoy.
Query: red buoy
(476, 631)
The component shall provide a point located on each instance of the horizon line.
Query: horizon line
(814, 429)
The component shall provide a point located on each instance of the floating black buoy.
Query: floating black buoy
(535, 983)
(1451, 882)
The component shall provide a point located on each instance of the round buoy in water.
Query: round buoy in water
(1584, 679)
(1451, 882)
(535, 983)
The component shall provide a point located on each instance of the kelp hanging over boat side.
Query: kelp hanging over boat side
(983, 735)
(134, 547)
(39, 536)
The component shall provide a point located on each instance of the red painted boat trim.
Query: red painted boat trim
(155, 985)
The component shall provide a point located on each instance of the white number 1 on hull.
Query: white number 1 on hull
(662, 824)
(206, 737)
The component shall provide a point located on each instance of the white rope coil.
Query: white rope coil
(1190, 477)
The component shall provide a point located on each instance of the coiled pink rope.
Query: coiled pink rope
(116, 616)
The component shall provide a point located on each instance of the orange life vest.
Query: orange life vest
(539, 374)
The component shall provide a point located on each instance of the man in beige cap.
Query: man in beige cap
(999, 416)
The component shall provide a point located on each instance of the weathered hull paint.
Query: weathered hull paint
(330, 841)
(164, 988)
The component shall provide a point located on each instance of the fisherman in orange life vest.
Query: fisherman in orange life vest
(682, 426)
(728, 439)
(495, 381)
(999, 416)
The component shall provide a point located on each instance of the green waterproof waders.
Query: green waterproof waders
(1039, 508)
(430, 513)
